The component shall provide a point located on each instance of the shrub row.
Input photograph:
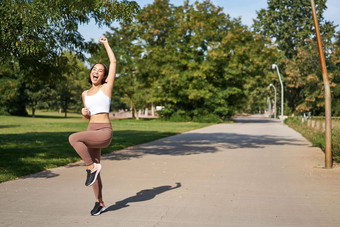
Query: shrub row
(316, 136)
(183, 116)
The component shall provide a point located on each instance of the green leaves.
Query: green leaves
(290, 25)
(33, 27)
(192, 59)
(35, 34)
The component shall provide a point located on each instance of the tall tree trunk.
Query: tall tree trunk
(134, 111)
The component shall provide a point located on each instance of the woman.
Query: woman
(88, 144)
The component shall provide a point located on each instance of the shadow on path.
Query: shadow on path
(43, 174)
(255, 120)
(198, 143)
(144, 195)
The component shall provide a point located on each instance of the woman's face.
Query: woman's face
(97, 74)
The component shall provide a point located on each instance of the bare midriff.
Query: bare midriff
(100, 118)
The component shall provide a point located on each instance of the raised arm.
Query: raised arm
(112, 68)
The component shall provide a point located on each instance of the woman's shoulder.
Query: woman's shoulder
(107, 90)
(84, 93)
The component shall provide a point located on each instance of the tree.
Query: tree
(13, 99)
(154, 25)
(290, 25)
(34, 35)
(38, 77)
(66, 93)
(31, 27)
(335, 74)
(304, 80)
(192, 59)
(210, 60)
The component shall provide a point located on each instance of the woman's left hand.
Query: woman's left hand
(103, 40)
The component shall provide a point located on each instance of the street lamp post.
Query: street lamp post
(269, 106)
(328, 112)
(278, 73)
(271, 85)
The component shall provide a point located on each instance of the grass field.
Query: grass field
(317, 136)
(29, 145)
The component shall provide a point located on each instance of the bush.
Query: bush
(209, 118)
(180, 116)
(183, 116)
(317, 137)
(165, 113)
(336, 144)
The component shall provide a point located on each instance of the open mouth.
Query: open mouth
(95, 77)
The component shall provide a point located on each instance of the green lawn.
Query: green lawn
(29, 145)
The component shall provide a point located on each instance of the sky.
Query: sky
(246, 9)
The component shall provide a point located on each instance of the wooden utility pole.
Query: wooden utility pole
(328, 114)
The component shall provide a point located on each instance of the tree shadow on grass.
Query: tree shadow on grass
(53, 117)
(23, 154)
(8, 126)
(144, 195)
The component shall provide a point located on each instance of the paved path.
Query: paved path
(255, 172)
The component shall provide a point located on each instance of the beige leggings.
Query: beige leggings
(88, 145)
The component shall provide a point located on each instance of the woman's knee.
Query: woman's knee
(72, 139)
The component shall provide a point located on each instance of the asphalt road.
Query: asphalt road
(255, 172)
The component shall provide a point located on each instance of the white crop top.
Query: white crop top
(97, 103)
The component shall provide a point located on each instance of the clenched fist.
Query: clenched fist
(85, 112)
(103, 40)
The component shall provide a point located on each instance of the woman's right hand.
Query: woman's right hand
(85, 112)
